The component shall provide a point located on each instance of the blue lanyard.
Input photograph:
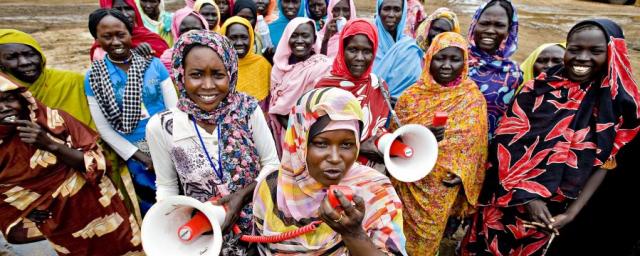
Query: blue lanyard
(218, 170)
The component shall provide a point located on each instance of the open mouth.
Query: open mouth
(581, 70)
(119, 51)
(9, 118)
(208, 99)
(333, 173)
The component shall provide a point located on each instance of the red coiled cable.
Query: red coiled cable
(281, 237)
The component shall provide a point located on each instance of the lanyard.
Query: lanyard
(218, 171)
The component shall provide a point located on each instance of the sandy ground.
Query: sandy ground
(61, 25)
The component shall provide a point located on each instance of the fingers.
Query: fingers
(359, 203)
(347, 206)
(327, 212)
(546, 217)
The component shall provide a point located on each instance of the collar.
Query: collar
(183, 127)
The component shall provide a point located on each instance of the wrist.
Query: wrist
(358, 234)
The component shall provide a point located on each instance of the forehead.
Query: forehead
(592, 36)
(494, 12)
(359, 40)
(191, 19)
(552, 51)
(317, 2)
(291, 1)
(237, 28)
(207, 8)
(111, 23)
(202, 56)
(16, 48)
(119, 4)
(450, 51)
(391, 3)
(336, 135)
(304, 28)
(245, 12)
(441, 23)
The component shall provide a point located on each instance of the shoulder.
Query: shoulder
(162, 121)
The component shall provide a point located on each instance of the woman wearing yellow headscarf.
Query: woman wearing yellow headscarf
(441, 20)
(541, 59)
(254, 71)
(454, 184)
(212, 15)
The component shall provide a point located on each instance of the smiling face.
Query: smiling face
(290, 8)
(12, 107)
(210, 14)
(261, 6)
(447, 65)
(391, 14)
(205, 78)
(151, 8)
(586, 54)
(301, 41)
(330, 155)
(21, 61)
(492, 28)
(114, 38)
(437, 27)
(191, 22)
(238, 34)
(127, 10)
(341, 9)
(358, 54)
(549, 57)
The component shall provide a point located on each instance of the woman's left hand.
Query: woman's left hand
(347, 222)
(32, 133)
(233, 204)
(144, 50)
(561, 220)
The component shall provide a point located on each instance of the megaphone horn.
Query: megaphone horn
(411, 158)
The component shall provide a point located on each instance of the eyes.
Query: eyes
(354, 50)
(496, 24)
(199, 74)
(597, 50)
(323, 144)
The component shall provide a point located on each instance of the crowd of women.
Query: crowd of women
(262, 105)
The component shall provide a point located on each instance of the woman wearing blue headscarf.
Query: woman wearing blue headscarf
(398, 57)
(289, 9)
(317, 11)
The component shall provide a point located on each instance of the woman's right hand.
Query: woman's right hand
(538, 212)
(144, 159)
(438, 132)
(347, 222)
(332, 29)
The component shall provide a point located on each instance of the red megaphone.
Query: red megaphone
(396, 149)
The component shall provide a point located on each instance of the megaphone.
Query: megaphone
(169, 228)
(411, 158)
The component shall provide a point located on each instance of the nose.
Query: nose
(359, 56)
(446, 65)
(23, 61)
(334, 155)
(582, 56)
(208, 83)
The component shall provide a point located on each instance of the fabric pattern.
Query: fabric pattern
(496, 75)
(277, 27)
(527, 64)
(162, 26)
(422, 32)
(463, 152)
(415, 14)
(295, 199)
(333, 43)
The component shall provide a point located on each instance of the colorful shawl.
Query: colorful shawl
(254, 71)
(294, 201)
(54, 88)
(422, 33)
(397, 52)
(140, 34)
(366, 90)
(198, 6)
(332, 44)
(496, 75)
(162, 26)
(232, 114)
(271, 14)
(527, 64)
(415, 14)
(557, 131)
(278, 26)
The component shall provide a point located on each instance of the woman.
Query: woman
(441, 20)
(351, 71)
(415, 15)
(140, 36)
(229, 132)
(185, 19)
(267, 8)
(247, 9)
(396, 51)
(155, 18)
(254, 71)
(210, 11)
(297, 68)
(540, 60)
(51, 166)
(226, 9)
(124, 90)
(454, 183)
(317, 11)
(289, 9)
(581, 114)
(321, 149)
(329, 36)
(493, 38)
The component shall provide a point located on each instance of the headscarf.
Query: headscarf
(271, 14)
(232, 114)
(397, 53)
(55, 88)
(198, 6)
(366, 90)
(463, 152)
(527, 65)
(422, 33)
(277, 27)
(415, 14)
(323, 19)
(299, 195)
(162, 26)
(496, 75)
(332, 50)
(242, 4)
(557, 131)
(140, 33)
(254, 71)
(178, 17)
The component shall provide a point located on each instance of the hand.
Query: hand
(144, 159)
(438, 132)
(538, 212)
(561, 220)
(32, 133)
(452, 180)
(332, 29)
(39, 216)
(144, 50)
(369, 150)
(350, 219)
(233, 204)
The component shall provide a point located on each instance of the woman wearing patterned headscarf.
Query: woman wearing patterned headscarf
(216, 142)
(321, 149)
(441, 20)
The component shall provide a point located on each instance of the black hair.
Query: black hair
(582, 27)
(96, 16)
(506, 5)
(608, 27)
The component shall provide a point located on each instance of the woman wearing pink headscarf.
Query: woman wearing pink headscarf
(184, 20)
(297, 67)
(329, 36)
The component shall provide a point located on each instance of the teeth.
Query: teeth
(299, 48)
(10, 118)
(581, 70)
(487, 40)
(119, 51)
(207, 97)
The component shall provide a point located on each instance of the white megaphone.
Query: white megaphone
(411, 158)
(169, 228)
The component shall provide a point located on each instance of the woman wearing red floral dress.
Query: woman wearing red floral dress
(555, 142)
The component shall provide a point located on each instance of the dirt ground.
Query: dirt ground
(61, 25)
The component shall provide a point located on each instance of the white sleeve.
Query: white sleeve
(166, 175)
(264, 143)
(169, 94)
(122, 146)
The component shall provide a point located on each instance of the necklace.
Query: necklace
(126, 61)
(218, 171)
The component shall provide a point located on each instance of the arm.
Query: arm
(122, 146)
(32, 133)
(576, 206)
(263, 141)
(166, 175)
(169, 94)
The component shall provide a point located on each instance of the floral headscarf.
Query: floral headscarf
(422, 33)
